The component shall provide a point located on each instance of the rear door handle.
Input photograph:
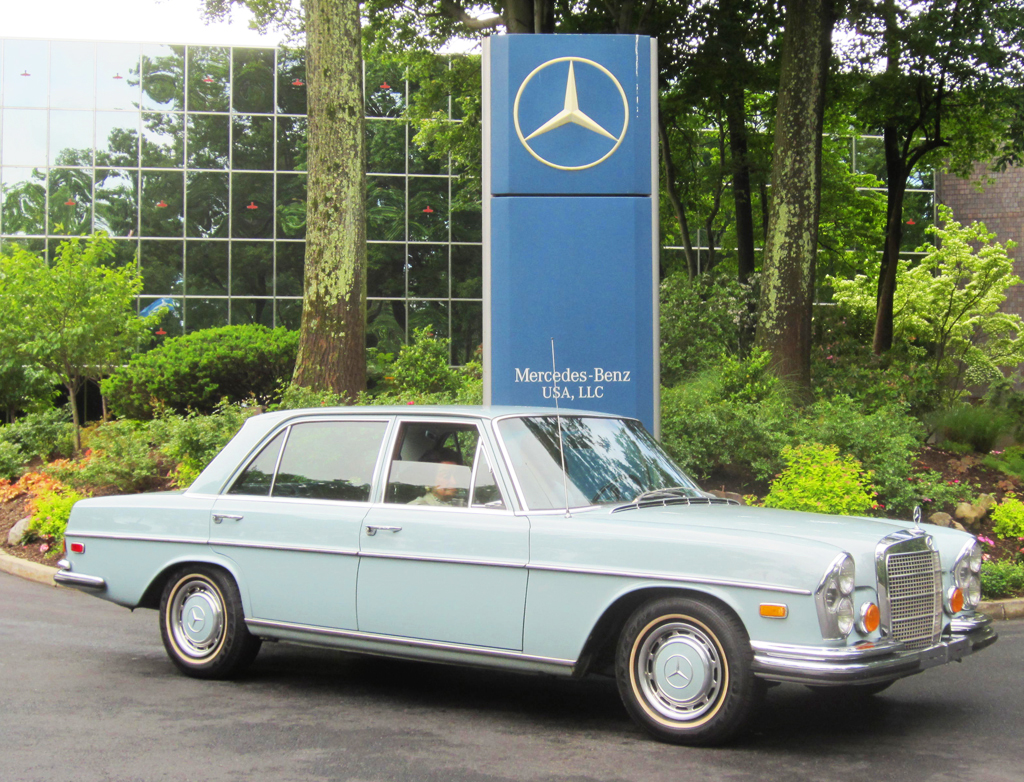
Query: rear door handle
(372, 529)
(219, 517)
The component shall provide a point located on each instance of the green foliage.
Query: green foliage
(121, 457)
(12, 460)
(422, 367)
(193, 440)
(47, 435)
(884, 441)
(717, 421)
(22, 386)
(1010, 461)
(936, 493)
(293, 397)
(818, 479)
(1002, 578)
(50, 518)
(75, 317)
(1007, 393)
(1008, 517)
(198, 370)
(949, 303)
(979, 426)
(702, 320)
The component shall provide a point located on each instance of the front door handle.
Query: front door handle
(219, 517)
(372, 529)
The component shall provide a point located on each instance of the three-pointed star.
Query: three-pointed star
(571, 113)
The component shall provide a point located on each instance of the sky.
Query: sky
(164, 21)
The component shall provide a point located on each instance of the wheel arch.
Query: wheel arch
(151, 595)
(598, 655)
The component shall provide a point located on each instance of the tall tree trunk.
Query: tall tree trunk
(896, 178)
(787, 293)
(736, 118)
(331, 352)
(672, 188)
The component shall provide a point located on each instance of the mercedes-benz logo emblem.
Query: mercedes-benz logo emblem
(678, 671)
(195, 618)
(571, 112)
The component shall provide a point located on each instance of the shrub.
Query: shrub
(193, 440)
(121, 456)
(884, 441)
(979, 426)
(47, 434)
(1002, 578)
(702, 320)
(421, 375)
(12, 460)
(1010, 461)
(819, 480)
(728, 419)
(50, 515)
(198, 370)
(293, 397)
(1008, 517)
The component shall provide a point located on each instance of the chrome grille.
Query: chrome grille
(914, 592)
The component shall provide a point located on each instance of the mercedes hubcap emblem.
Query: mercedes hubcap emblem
(195, 618)
(678, 671)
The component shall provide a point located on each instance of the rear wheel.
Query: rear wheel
(202, 624)
(683, 670)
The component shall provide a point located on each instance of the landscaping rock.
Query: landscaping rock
(18, 531)
(941, 519)
(972, 514)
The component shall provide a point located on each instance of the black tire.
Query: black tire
(709, 653)
(203, 625)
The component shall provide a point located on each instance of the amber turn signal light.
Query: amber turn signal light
(956, 601)
(774, 610)
(869, 618)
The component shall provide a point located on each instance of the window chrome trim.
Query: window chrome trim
(447, 646)
(674, 578)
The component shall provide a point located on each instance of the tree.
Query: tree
(943, 82)
(787, 275)
(332, 339)
(74, 318)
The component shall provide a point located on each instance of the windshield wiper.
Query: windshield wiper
(671, 496)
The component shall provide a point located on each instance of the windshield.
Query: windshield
(607, 461)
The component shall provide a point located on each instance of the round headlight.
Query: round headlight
(962, 572)
(972, 593)
(847, 576)
(844, 615)
(975, 558)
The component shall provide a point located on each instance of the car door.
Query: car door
(291, 520)
(443, 564)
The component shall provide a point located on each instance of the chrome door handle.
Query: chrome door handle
(372, 529)
(219, 517)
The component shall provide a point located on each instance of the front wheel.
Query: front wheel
(683, 670)
(202, 624)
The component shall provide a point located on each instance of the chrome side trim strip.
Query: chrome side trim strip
(144, 538)
(79, 581)
(444, 560)
(668, 577)
(357, 635)
(285, 547)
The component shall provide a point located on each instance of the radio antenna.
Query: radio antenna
(558, 418)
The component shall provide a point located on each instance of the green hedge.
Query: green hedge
(199, 370)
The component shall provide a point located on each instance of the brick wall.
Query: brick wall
(1000, 206)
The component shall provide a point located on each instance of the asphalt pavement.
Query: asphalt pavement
(87, 693)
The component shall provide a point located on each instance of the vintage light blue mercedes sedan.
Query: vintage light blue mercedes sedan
(524, 539)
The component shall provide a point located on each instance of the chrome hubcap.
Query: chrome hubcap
(197, 618)
(680, 671)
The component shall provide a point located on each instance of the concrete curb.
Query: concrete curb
(33, 571)
(1012, 608)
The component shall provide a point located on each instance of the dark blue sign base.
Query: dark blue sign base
(577, 270)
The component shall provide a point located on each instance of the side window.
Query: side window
(259, 474)
(431, 464)
(485, 489)
(330, 460)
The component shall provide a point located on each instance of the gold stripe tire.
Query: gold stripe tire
(683, 671)
(202, 624)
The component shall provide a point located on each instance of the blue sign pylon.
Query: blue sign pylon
(571, 222)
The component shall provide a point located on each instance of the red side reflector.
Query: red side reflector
(77, 548)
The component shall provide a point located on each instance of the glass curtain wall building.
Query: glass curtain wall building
(192, 158)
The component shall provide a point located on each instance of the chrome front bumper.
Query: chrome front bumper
(65, 577)
(870, 662)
